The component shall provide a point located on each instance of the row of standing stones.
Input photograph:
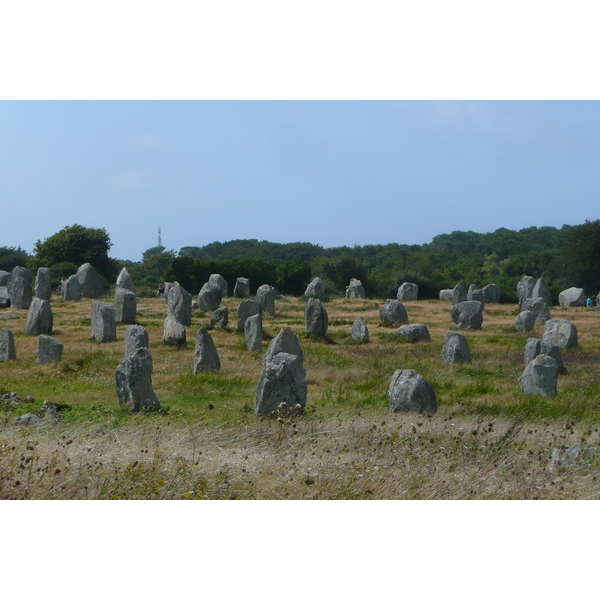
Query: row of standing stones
(282, 385)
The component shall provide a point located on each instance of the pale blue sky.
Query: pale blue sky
(326, 172)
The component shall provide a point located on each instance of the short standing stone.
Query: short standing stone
(475, 293)
(416, 332)
(174, 333)
(282, 382)
(179, 304)
(125, 305)
(409, 392)
(355, 289)
(408, 291)
(19, 288)
(43, 284)
(49, 350)
(524, 289)
(265, 296)
(491, 293)
(71, 289)
(4, 297)
(540, 290)
(220, 317)
(246, 308)
(219, 281)
(393, 312)
(7, 345)
(104, 325)
(242, 288)
(209, 297)
(456, 348)
(538, 307)
(535, 346)
(39, 317)
(4, 278)
(253, 333)
(571, 297)
(136, 337)
(315, 288)
(540, 376)
(459, 293)
(133, 379)
(90, 281)
(525, 321)
(206, 357)
(316, 319)
(360, 332)
(124, 280)
(467, 315)
(561, 333)
(285, 341)
(446, 295)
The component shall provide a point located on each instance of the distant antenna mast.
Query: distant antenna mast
(159, 238)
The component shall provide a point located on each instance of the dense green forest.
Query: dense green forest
(564, 257)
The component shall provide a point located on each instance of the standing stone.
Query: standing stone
(571, 297)
(104, 325)
(360, 332)
(540, 290)
(136, 337)
(49, 350)
(416, 332)
(393, 312)
(535, 347)
(4, 278)
(459, 293)
(39, 317)
(285, 341)
(242, 288)
(491, 293)
(246, 308)
(124, 280)
(71, 289)
(475, 293)
(408, 291)
(282, 383)
(525, 321)
(179, 304)
(355, 289)
(467, 315)
(209, 297)
(220, 317)
(19, 288)
(125, 305)
(455, 349)
(253, 333)
(316, 319)
(538, 307)
(540, 376)
(265, 296)
(43, 284)
(166, 287)
(446, 295)
(315, 288)
(133, 379)
(409, 392)
(7, 345)
(4, 297)
(219, 281)
(174, 333)
(561, 333)
(90, 281)
(206, 357)
(532, 349)
(524, 289)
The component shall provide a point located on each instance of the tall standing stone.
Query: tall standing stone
(246, 308)
(125, 280)
(409, 392)
(285, 341)
(49, 350)
(456, 348)
(179, 304)
(360, 332)
(491, 293)
(19, 288)
(71, 289)
(393, 312)
(355, 289)
(104, 325)
(265, 296)
(315, 317)
(315, 288)
(538, 307)
(90, 281)
(43, 284)
(206, 357)
(7, 345)
(540, 290)
(39, 317)
(524, 289)
(242, 288)
(459, 293)
(408, 291)
(125, 305)
(253, 333)
(476, 294)
(209, 297)
(133, 379)
(220, 281)
(136, 337)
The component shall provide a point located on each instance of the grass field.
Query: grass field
(486, 441)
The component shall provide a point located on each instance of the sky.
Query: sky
(327, 172)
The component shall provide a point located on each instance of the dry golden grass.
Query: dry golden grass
(487, 440)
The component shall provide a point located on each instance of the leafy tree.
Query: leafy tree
(11, 257)
(580, 256)
(338, 271)
(293, 277)
(152, 252)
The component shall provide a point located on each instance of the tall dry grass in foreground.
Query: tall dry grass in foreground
(487, 440)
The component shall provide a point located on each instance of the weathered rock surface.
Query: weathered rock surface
(571, 297)
(408, 291)
(19, 288)
(416, 332)
(315, 288)
(4, 297)
(219, 281)
(409, 392)
(242, 288)
(133, 380)
(265, 296)
(315, 317)
(446, 295)
(538, 307)
(49, 350)
(71, 289)
(525, 321)
(90, 281)
(174, 333)
(491, 293)
(39, 317)
(355, 289)
(540, 290)
(7, 345)
(4, 278)
(561, 333)
(565, 456)
(179, 304)
(125, 280)
(360, 331)
(43, 284)
(285, 341)
(540, 376)
(282, 382)
(206, 357)
(219, 318)
(125, 305)
(524, 289)
(253, 333)
(209, 298)
(104, 325)
(467, 315)
(246, 308)
(136, 337)
(459, 293)
(455, 349)
(534, 347)
(476, 294)
(393, 312)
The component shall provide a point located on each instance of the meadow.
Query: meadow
(486, 441)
